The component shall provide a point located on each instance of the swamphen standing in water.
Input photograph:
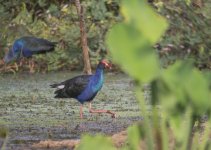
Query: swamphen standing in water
(84, 88)
(28, 46)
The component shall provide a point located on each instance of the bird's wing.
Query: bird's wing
(72, 87)
(37, 45)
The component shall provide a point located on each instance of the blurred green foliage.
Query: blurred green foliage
(99, 143)
(189, 34)
(141, 34)
(58, 21)
(180, 93)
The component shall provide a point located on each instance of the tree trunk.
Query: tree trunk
(87, 66)
(198, 3)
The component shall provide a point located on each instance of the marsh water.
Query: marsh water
(32, 114)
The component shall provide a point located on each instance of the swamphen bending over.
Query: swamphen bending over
(84, 88)
(28, 46)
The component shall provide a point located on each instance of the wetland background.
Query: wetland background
(30, 112)
(188, 34)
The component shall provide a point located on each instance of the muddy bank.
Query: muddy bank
(28, 109)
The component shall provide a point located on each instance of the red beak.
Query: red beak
(107, 65)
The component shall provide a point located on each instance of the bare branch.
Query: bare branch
(87, 66)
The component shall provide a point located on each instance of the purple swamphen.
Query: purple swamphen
(27, 46)
(84, 88)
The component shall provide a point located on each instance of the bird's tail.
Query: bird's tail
(54, 85)
(60, 93)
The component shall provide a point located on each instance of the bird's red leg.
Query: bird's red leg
(21, 62)
(31, 66)
(81, 111)
(113, 115)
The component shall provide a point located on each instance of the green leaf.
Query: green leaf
(132, 51)
(142, 16)
(198, 90)
(97, 142)
(131, 42)
(175, 78)
(134, 137)
(182, 126)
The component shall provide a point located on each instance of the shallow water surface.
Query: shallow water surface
(30, 111)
